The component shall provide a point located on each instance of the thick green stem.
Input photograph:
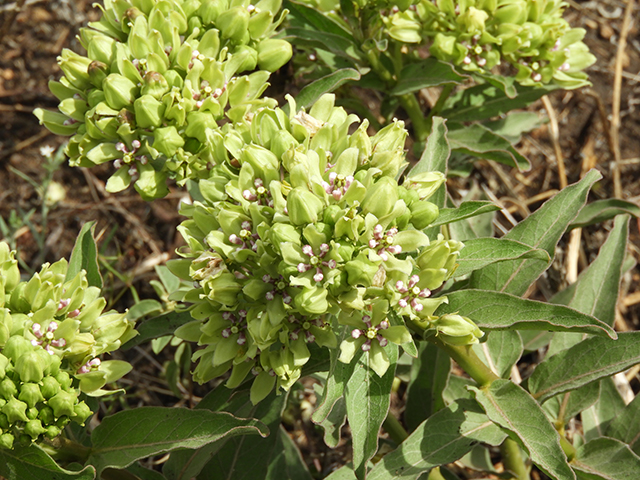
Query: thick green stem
(395, 429)
(446, 91)
(568, 449)
(64, 449)
(512, 459)
(435, 474)
(468, 361)
(421, 126)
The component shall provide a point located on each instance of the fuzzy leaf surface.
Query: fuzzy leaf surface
(543, 230)
(430, 72)
(368, 397)
(511, 407)
(327, 84)
(480, 252)
(586, 362)
(443, 438)
(606, 459)
(85, 256)
(130, 435)
(597, 418)
(601, 210)
(501, 351)
(465, 210)
(502, 311)
(157, 327)
(626, 426)
(32, 463)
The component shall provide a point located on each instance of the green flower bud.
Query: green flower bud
(4, 422)
(75, 67)
(312, 301)
(9, 270)
(64, 380)
(119, 91)
(361, 271)
(8, 389)
(30, 394)
(53, 431)
(82, 412)
(50, 387)
(63, 403)
(404, 27)
(17, 346)
(30, 367)
(381, 197)
(261, 387)
(149, 111)
(259, 24)
(34, 429)
(423, 214)
(154, 84)
(223, 289)
(273, 53)
(97, 71)
(6, 441)
(167, 140)
(303, 206)
(282, 234)
(233, 23)
(15, 410)
(457, 330)
(473, 20)
(46, 414)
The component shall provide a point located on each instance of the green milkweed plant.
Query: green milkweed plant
(316, 247)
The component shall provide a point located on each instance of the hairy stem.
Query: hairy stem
(421, 126)
(512, 459)
(468, 361)
(395, 429)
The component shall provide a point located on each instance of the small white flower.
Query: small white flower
(47, 151)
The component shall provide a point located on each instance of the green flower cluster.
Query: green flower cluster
(52, 331)
(302, 228)
(158, 74)
(477, 35)
(530, 35)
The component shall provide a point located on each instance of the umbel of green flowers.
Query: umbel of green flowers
(300, 230)
(477, 35)
(156, 75)
(52, 331)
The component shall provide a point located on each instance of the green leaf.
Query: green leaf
(312, 92)
(143, 473)
(542, 229)
(465, 210)
(606, 459)
(435, 155)
(485, 101)
(514, 125)
(511, 407)
(501, 351)
(478, 253)
(85, 256)
(430, 72)
(501, 311)
(626, 426)
(331, 413)
(457, 388)
(596, 290)
(574, 402)
(533, 340)
(158, 327)
(505, 84)
(286, 461)
(314, 18)
(586, 362)
(368, 397)
(601, 210)
(32, 463)
(479, 458)
(596, 419)
(443, 438)
(130, 435)
(143, 308)
(429, 377)
(478, 141)
(333, 43)
(343, 473)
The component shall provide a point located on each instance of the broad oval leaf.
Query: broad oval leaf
(586, 362)
(502, 311)
(443, 438)
(32, 463)
(511, 407)
(501, 351)
(127, 436)
(626, 426)
(430, 72)
(480, 252)
(606, 459)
